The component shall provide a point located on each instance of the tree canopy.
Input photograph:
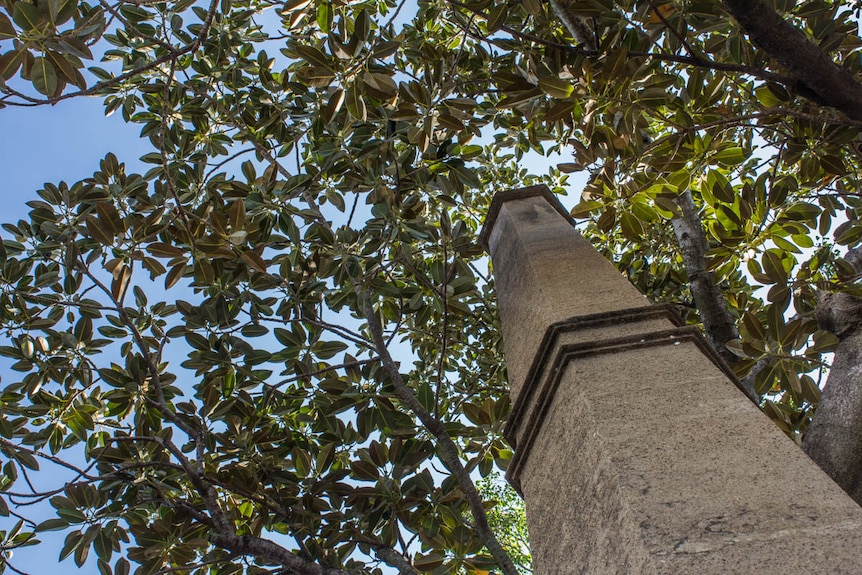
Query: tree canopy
(276, 350)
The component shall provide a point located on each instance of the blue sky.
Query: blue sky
(53, 143)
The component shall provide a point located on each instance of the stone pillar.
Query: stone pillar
(635, 450)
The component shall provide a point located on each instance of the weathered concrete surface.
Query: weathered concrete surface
(546, 279)
(635, 451)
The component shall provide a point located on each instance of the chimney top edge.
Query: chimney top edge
(518, 194)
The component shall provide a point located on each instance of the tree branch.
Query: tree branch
(693, 61)
(834, 437)
(446, 448)
(269, 551)
(718, 324)
(816, 75)
(395, 559)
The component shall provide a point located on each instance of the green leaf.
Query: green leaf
(569, 167)
(254, 261)
(774, 267)
(356, 103)
(10, 62)
(328, 349)
(163, 250)
(849, 234)
(98, 232)
(584, 208)
(364, 471)
(497, 17)
(51, 525)
(7, 31)
(771, 94)
(730, 157)
(753, 326)
(631, 226)
(324, 17)
(381, 83)
(27, 16)
(61, 11)
(833, 165)
(314, 57)
(333, 105)
(719, 187)
(556, 87)
(383, 50)
(175, 274)
(44, 76)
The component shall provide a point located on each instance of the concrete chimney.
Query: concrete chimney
(636, 451)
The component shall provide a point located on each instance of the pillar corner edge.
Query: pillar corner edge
(518, 194)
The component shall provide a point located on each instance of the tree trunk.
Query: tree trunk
(718, 325)
(834, 438)
(818, 77)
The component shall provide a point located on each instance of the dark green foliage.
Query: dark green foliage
(191, 350)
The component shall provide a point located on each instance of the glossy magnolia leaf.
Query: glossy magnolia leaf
(833, 165)
(631, 226)
(61, 11)
(26, 16)
(356, 103)
(236, 215)
(584, 208)
(7, 30)
(385, 49)
(667, 205)
(753, 326)
(660, 13)
(324, 17)
(810, 391)
(163, 250)
(364, 471)
(254, 261)
(175, 274)
(718, 187)
(326, 350)
(568, 167)
(849, 233)
(98, 231)
(10, 62)
(65, 70)
(771, 94)
(556, 87)
(333, 105)
(314, 57)
(52, 525)
(496, 17)
(730, 157)
(824, 342)
(380, 83)
(44, 76)
(110, 218)
(122, 275)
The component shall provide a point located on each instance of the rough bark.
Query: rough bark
(578, 27)
(395, 559)
(834, 438)
(272, 552)
(818, 76)
(718, 325)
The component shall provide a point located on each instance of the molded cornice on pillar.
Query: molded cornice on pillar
(635, 449)
(577, 338)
